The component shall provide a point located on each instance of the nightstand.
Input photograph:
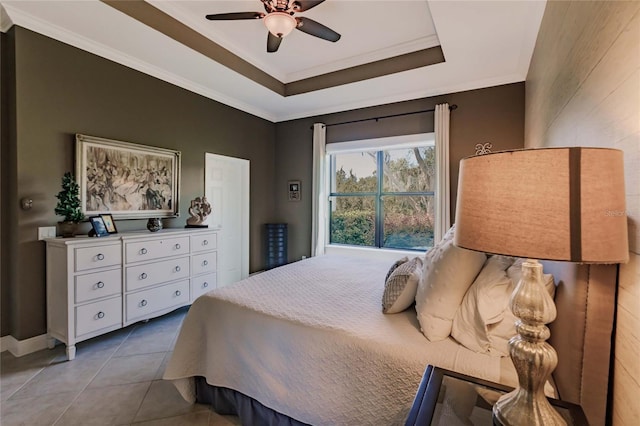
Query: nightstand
(449, 398)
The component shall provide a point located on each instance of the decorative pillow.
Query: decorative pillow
(484, 323)
(394, 266)
(448, 272)
(401, 285)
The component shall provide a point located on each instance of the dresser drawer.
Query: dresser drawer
(98, 315)
(205, 262)
(202, 284)
(143, 303)
(98, 285)
(97, 257)
(156, 272)
(204, 242)
(138, 251)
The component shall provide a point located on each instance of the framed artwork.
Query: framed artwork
(99, 228)
(294, 190)
(109, 223)
(126, 180)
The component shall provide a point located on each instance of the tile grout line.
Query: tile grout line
(92, 378)
(28, 380)
(48, 364)
(57, 357)
(172, 345)
(142, 402)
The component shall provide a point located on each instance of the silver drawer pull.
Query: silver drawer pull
(205, 284)
(177, 269)
(143, 302)
(205, 243)
(178, 293)
(100, 256)
(177, 246)
(100, 315)
(205, 262)
(143, 276)
(100, 284)
(143, 251)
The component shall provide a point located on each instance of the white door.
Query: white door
(226, 185)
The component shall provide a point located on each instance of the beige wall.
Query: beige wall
(583, 89)
(60, 91)
(494, 115)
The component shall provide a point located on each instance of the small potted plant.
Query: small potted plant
(69, 206)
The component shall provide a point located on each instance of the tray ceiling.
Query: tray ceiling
(389, 50)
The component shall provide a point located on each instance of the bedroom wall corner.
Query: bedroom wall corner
(4, 141)
(494, 115)
(8, 188)
(582, 90)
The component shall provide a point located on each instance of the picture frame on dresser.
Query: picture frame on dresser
(98, 226)
(127, 180)
(109, 223)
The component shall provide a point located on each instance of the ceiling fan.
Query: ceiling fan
(280, 21)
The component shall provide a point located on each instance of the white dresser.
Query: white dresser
(97, 285)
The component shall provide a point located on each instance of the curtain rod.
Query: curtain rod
(451, 108)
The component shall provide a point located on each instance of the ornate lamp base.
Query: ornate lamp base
(533, 358)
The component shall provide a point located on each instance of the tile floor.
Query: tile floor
(115, 379)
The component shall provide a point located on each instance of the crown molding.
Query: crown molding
(32, 23)
(407, 96)
(366, 58)
(177, 12)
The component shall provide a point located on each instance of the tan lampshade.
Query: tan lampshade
(563, 204)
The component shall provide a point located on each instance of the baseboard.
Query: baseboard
(4, 342)
(20, 348)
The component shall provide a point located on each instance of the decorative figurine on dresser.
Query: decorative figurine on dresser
(97, 285)
(199, 210)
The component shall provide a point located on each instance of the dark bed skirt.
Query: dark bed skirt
(230, 402)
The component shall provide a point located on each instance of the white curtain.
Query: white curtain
(443, 193)
(319, 199)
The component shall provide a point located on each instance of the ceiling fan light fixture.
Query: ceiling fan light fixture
(280, 23)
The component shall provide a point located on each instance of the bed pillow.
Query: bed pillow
(483, 305)
(401, 285)
(448, 272)
(484, 323)
(394, 266)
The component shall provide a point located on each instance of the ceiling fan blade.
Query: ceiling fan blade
(234, 16)
(314, 28)
(273, 42)
(302, 5)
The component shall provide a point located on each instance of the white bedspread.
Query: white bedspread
(309, 340)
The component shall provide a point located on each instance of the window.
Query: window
(383, 197)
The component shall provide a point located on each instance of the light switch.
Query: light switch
(46, 232)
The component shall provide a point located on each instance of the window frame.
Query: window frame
(379, 146)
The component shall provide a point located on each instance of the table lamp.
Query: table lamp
(563, 204)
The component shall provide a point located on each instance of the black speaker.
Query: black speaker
(275, 238)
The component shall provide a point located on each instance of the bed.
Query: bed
(307, 343)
